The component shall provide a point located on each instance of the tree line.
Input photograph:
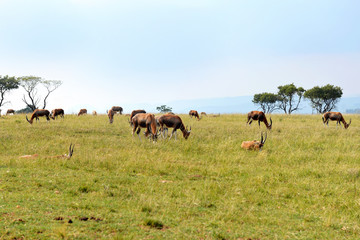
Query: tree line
(322, 99)
(31, 84)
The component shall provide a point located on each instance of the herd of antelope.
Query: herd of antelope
(158, 126)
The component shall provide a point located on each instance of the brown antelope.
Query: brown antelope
(335, 116)
(57, 112)
(117, 109)
(82, 112)
(194, 113)
(158, 125)
(67, 156)
(111, 114)
(145, 120)
(254, 145)
(173, 121)
(39, 113)
(133, 113)
(94, 113)
(203, 114)
(260, 117)
(10, 111)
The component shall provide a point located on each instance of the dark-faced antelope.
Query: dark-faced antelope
(10, 111)
(39, 113)
(194, 113)
(335, 116)
(260, 117)
(57, 112)
(67, 156)
(82, 112)
(254, 145)
(117, 109)
(175, 122)
(147, 121)
(111, 114)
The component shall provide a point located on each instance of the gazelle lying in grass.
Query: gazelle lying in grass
(67, 156)
(254, 145)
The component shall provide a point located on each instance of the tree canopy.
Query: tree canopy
(31, 84)
(164, 109)
(6, 85)
(324, 99)
(290, 97)
(267, 101)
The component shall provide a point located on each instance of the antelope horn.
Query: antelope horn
(71, 150)
(27, 119)
(189, 129)
(349, 122)
(263, 142)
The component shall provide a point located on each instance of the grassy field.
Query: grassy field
(303, 185)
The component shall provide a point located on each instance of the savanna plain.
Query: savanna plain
(304, 184)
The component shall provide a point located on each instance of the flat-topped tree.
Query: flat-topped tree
(31, 85)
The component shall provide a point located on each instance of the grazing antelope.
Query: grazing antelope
(39, 113)
(82, 112)
(117, 109)
(133, 113)
(145, 120)
(203, 114)
(260, 117)
(94, 113)
(111, 114)
(67, 156)
(10, 111)
(254, 145)
(194, 113)
(335, 116)
(57, 112)
(173, 121)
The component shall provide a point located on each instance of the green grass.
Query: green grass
(304, 184)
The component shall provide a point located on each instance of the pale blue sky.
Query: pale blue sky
(111, 52)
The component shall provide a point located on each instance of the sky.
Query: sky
(136, 52)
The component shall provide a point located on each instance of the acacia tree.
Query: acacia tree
(31, 84)
(267, 101)
(290, 97)
(6, 85)
(164, 109)
(324, 99)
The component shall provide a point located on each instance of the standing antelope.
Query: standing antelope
(254, 145)
(39, 113)
(173, 121)
(203, 113)
(260, 117)
(57, 112)
(94, 113)
(145, 120)
(194, 113)
(9, 111)
(335, 116)
(82, 112)
(117, 109)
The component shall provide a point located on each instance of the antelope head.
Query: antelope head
(347, 124)
(30, 121)
(187, 132)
